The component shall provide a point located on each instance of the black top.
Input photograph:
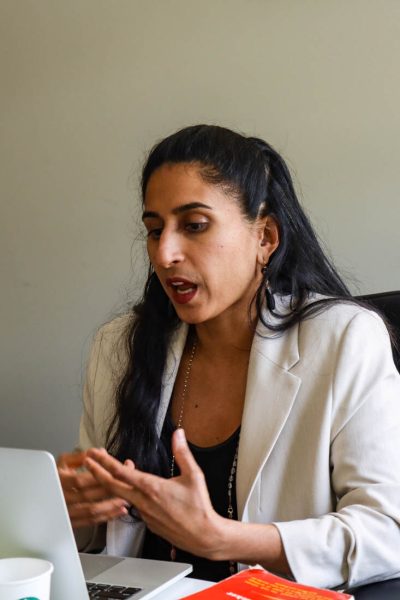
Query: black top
(216, 464)
(383, 590)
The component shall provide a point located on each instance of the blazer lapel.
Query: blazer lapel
(270, 394)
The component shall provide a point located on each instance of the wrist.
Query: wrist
(248, 543)
(222, 539)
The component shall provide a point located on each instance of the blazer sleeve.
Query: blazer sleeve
(106, 363)
(360, 540)
(87, 430)
(102, 373)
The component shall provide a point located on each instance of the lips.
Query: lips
(182, 290)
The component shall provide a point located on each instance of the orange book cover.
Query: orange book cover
(258, 584)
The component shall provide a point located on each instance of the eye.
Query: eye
(154, 234)
(196, 227)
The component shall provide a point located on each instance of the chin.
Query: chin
(191, 320)
(192, 317)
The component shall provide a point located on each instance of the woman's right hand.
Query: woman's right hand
(88, 502)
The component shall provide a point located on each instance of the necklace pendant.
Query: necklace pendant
(173, 553)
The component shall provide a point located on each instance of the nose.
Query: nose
(168, 251)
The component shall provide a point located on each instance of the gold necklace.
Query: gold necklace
(232, 563)
(183, 396)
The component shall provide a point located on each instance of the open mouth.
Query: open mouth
(182, 289)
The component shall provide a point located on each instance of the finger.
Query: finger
(91, 513)
(72, 460)
(123, 480)
(106, 479)
(81, 487)
(77, 480)
(122, 472)
(98, 510)
(92, 494)
(183, 456)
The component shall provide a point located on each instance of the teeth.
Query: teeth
(187, 291)
(177, 283)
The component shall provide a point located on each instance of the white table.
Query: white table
(183, 588)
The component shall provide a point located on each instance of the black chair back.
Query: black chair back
(388, 303)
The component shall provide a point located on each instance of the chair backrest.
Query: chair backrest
(388, 303)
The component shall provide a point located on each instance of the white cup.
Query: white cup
(25, 579)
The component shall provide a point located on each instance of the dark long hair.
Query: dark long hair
(257, 176)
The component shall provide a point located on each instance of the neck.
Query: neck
(222, 337)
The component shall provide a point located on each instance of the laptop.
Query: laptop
(34, 522)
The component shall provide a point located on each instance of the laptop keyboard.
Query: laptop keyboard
(102, 591)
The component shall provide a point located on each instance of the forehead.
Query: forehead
(174, 184)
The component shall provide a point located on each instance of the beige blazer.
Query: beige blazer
(319, 451)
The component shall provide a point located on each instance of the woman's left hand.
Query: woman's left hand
(177, 509)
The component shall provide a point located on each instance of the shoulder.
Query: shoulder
(345, 339)
(114, 328)
(331, 327)
(339, 319)
(329, 319)
(321, 335)
(109, 346)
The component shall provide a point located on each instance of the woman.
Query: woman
(285, 388)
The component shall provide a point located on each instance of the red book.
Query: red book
(258, 584)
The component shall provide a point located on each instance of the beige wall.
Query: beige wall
(88, 85)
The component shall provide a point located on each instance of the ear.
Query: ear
(268, 238)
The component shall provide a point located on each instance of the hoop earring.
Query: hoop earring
(268, 289)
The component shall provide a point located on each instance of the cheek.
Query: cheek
(230, 267)
(148, 248)
(152, 253)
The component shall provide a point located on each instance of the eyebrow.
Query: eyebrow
(148, 214)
